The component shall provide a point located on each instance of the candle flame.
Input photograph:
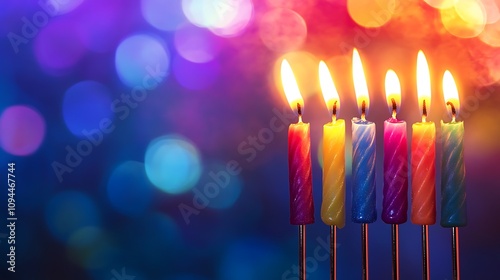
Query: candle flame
(330, 93)
(450, 92)
(360, 87)
(393, 92)
(423, 85)
(291, 88)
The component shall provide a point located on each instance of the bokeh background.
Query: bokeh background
(125, 119)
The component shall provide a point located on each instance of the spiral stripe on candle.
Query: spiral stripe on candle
(453, 206)
(423, 206)
(363, 169)
(333, 205)
(300, 176)
(395, 201)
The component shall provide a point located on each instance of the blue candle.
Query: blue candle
(363, 152)
(363, 171)
(453, 206)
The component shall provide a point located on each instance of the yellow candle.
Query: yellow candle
(333, 204)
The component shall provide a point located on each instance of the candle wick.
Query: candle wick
(453, 111)
(363, 110)
(394, 108)
(299, 111)
(424, 112)
(334, 112)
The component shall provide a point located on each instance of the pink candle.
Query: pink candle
(395, 202)
(300, 178)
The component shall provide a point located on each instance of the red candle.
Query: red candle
(423, 153)
(299, 155)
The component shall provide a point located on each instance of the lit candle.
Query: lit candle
(395, 202)
(333, 205)
(363, 151)
(453, 206)
(423, 153)
(299, 155)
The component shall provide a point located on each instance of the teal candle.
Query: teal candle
(453, 206)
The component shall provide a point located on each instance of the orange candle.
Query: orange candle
(423, 153)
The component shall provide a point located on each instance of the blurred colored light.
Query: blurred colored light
(155, 232)
(172, 164)
(85, 105)
(369, 13)
(222, 196)
(195, 76)
(129, 190)
(471, 11)
(68, 212)
(465, 20)
(484, 141)
(234, 17)
(251, 258)
(161, 14)
(223, 17)
(491, 9)
(196, 44)
(59, 46)
(491, 34)
(282, 30)
(292, 4)
(84, 237)
(138, 57)
(22, 130)
(63, 6)
(441, 4)
(102, 24)
(90, 248)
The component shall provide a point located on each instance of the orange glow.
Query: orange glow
(441, 4)
(360, 87)
(450, 92)
(392, 91)
(290, 86)
(466, 19)
(330, 93)
(423, 84)
(368, 13)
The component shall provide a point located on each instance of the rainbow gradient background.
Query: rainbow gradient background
(119, 113)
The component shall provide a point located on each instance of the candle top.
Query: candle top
(394, 120)
(359, 121)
